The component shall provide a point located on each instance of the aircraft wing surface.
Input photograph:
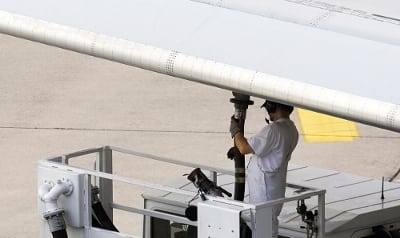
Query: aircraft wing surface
(365, 19)
(324, 68)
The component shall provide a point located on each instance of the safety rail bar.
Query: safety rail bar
(64, 159)
(57, 162)
(62, 162)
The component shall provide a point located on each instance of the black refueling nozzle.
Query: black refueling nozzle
(241, 103)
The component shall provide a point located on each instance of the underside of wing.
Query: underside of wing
(325, 71)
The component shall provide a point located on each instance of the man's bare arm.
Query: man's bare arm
(242, 144)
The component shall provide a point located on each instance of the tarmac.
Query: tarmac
(55, 102)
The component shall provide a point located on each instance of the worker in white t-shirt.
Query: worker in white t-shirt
(271, 151)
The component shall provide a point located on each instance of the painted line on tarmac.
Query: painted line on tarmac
(319, 127)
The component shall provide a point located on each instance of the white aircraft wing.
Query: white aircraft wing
(326, 71)
(369, 19)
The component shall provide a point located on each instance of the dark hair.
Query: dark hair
(271, 106)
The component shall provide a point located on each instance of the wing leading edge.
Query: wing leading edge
(230, 50)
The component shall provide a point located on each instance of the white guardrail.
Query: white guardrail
(80, 216)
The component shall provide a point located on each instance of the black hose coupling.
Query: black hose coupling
(241, 103)
(56, 222)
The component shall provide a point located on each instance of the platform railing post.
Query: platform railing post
(104, 164)
(214, 176)
(321, 215)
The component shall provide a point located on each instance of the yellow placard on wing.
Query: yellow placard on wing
(319, 127)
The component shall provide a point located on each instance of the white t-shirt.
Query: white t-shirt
(274, 144)
(266, 177)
